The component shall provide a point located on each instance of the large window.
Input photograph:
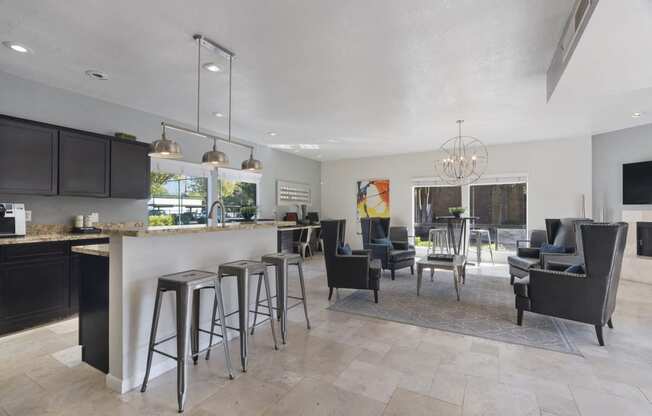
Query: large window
(177, 199)
(502, 209)
(431, 202)
(236, 195)
(238, 189)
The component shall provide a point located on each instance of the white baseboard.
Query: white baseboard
(123, 386)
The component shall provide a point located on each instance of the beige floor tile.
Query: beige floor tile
(373, 381)
(409, 403)
(448, 386)
(316, 398)
(647, 391)
(596, 403)
(64, 327)
(70, 357)
(244, 396)
(486, 397)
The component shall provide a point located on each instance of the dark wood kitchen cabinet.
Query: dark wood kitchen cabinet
(28, 157)
(130, 169)
(34, 292)
(84, 160)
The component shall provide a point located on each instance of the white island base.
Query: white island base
(138, 258)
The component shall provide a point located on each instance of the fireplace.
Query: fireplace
(644, 239)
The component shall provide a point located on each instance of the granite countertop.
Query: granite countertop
(49, 237)
(192, 229)
(92, 249)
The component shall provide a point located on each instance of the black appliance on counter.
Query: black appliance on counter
(644, 239)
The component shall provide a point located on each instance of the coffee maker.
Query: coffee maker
(12, 219)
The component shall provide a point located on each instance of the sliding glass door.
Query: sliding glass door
(431, 202)
(502, 212)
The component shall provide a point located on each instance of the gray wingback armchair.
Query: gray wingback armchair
(560, 232)
(589, 297)
(355, 271)
(399, 255)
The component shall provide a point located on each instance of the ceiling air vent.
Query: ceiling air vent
(577, 21)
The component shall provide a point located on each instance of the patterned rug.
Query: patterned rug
(486, 310)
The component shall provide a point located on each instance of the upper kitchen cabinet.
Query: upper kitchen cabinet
(130, 169)
(28, 157)
(84, 160)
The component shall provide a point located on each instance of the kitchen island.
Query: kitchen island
(138, 257)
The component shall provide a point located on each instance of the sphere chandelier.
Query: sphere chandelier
(463, 159)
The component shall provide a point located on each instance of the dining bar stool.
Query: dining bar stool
(438, 238)
(281, 263)
(242, 270)
(186, 286)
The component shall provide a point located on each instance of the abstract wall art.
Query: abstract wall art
(372, 199)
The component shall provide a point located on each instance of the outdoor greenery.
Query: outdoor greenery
(158, 220)
(241, 194)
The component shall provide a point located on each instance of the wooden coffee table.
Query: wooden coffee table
(456, 264)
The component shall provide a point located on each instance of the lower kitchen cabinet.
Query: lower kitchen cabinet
(34, 292)
(39, 283)
(94, 311)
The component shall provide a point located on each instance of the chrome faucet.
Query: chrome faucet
(210, 212)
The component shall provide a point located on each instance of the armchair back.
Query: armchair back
(373, 228)
(398, 234)
(604, 248)
(565, 232)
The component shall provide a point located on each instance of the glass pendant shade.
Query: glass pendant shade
(252, 165)
(165, 149)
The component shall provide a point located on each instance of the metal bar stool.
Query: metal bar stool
(478, 233)
(185, 284)
(242, 270)
(438, 237)
(281, 263)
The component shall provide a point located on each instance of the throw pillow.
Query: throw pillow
(385, 242)
(551, 248)
(344, 250)
(576, 268)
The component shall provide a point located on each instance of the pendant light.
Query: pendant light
(462, 159)
(168, 149)
(251, 164)
(164, 148)
(213, 157)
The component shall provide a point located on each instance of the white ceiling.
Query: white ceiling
(360, 78)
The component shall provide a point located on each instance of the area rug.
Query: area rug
(486, 310)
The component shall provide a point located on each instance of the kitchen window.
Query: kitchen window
(179, 194)
(238, 189)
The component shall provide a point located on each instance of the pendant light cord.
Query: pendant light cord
(230, 82)
(198, 78)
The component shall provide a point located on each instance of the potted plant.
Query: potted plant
(248, 212)
(456, 211)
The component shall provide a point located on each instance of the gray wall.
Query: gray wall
(31, 100)
(610, 151)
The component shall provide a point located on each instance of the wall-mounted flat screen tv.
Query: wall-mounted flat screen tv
(637, 183)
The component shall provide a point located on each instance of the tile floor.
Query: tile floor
(350, 365)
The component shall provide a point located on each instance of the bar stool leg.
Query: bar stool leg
(269, 302)
(491, 250)
(303, 293)
(243, 315)
(194, 326)
(183, 327)
(260, 281)
(282, 298)
(152, 337)
(225, 335)
(210, 336)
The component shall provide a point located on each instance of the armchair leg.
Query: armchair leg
(598, 332)
(610, 324)
(412, 270)
(392, 274)
(375, 296)
(330, 293)
(511, 279)
(519, 317)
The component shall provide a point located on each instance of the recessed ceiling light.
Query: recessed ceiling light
(97, 75)
(272, 133)
(636, 115)
(17, 47)
(309, 146)
(209, 66)
(282, 146)
(218, 114)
